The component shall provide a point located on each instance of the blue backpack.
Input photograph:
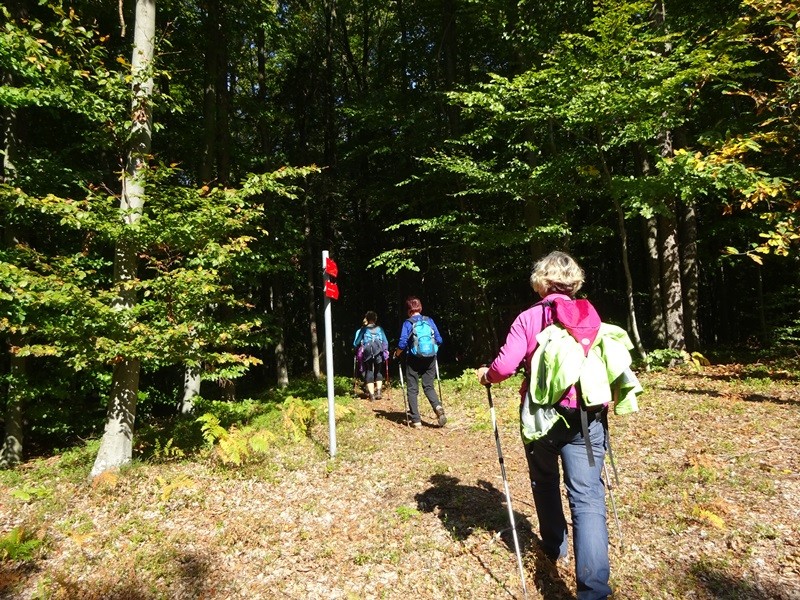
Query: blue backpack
(423, 342)
(372, 344)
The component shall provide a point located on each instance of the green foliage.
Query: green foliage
(29, 494)
(788, 336)
(167, 452)
(20, 544)
(406, 513)
(234, 445)
(211, 428)
(270, 424)
(663, 358)
(297, 416)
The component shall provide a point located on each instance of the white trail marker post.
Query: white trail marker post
(331, 293)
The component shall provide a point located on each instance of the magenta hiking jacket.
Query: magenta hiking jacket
(521, 343)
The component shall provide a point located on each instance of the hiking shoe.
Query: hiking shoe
(440, 414)
(372, 397)
(416, 425)
(378, 395)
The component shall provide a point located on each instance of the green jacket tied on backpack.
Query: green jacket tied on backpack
(559, 363)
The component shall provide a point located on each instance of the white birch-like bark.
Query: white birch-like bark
(11, 450)
(116, 447)
(191, 389)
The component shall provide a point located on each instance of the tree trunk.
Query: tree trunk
(690, 271)
(11, 451)
(312, 299)
(450, 60)
(650, 235)
(623, 234)
(532, 212)
(329, 100)
(191, 389)
(116, 447)
(281, 363)
(223, 98)
(210, 94)
(760, 305)
(671, 283)
(276, 293)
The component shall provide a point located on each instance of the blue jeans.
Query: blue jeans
(587, 501)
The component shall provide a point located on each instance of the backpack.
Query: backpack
(372, 344)
(557, 369)
(423, 342)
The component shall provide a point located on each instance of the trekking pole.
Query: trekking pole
(405, 394)
(438, 379)
(388, 390)
(355, 381)
(508, 493)
(610, 488)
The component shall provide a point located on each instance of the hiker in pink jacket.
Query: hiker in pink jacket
(557, 277)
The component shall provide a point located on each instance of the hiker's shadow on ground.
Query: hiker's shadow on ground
(463, 509)
(395, 416)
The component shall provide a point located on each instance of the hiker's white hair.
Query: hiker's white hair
(556, 273)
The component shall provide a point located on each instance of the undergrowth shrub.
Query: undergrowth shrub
(666, 358)
(288, 422)
(19, 544)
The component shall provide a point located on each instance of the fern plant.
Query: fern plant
(235, 445)
(19, 544)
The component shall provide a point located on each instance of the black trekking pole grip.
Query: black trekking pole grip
(488, 387)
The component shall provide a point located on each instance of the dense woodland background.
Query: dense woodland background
(172, 171)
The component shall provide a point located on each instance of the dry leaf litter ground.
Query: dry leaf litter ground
(708, 503)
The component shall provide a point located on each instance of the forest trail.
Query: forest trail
(707, 504)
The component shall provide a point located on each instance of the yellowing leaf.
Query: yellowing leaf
(709, 517)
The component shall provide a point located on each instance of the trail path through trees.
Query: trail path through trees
(707, 500)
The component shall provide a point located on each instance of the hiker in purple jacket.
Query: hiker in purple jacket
(557, 278)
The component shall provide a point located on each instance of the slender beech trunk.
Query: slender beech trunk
(650, 238)
(276, 289)
(281, 362)
(690, 272)
(116, 447)
(450, 62)
(312, 299)
(210, 93)
(223, 98)
(11, 450)
(762, 314)
(671, 282)
(404, 43)
(623, 234)
(191, 389)
(657, 325)
(671, 285)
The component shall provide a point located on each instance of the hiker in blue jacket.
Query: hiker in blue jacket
(372, 351)
(557, 278)
(420, 339)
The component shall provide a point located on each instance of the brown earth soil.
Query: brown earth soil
(708, 504)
